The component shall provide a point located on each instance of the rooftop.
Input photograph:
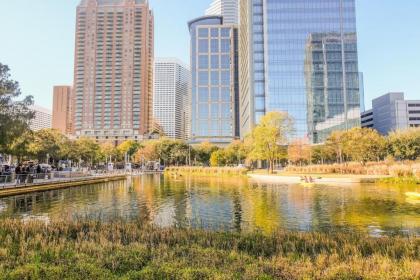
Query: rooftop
(111, 2)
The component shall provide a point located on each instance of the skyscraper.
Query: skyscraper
(214, 89)
(170, 97)
(61, 115)
(299, 57)
(113, 69)
(228, 9)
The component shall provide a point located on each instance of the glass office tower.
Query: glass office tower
(300, 56)
(214, 89)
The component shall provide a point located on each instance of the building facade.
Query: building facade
(228, 9)
(299, 57)
(113, 69)
(170, 97)
(392, 112)
(61, 114)
(42, 119)
(214, 89)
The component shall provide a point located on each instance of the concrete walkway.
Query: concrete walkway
(54, 184)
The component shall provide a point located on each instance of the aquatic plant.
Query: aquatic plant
(120, 250)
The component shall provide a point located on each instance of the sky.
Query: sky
(37, 42)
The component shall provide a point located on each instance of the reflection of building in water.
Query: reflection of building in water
(332, 84)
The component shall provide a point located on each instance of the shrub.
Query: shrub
(401, 171)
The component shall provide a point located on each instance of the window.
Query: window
(203, 95)
(203, 111)
(225, 93)
(259, 103)
(214, 62)
(203, 46)
(225, 32)
(203, 78)
(225, 45)
(214, 46)
(203, 62)
(203, 32)
(225, 61)
(215, 111)
(215, 78)
(225, 78)
(214, 32)
(214, 94)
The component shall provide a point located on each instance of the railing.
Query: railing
(31, 179)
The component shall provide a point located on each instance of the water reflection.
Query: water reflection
(228, 204)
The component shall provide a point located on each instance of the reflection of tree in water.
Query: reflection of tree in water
(237, 211)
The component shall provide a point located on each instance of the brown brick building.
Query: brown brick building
(61, 115)
(113, 69)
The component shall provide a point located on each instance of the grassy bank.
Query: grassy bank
(132, 251)
(207, 171)
(402, 170)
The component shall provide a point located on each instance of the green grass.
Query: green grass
(400, 180)
(91, 250)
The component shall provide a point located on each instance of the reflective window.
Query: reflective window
(225, 61)
(203, 111)
(215, 32)
(214, 94)
(203, 62)
(203, 32)
(225, 78)
(203, 94)
(214, 62)
(214, 45)
(214, 78)
(203, 46)
(225, 32)
(225, 46)
(203, 78)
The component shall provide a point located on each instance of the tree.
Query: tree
(14, 115)
(364, 144)
(128, 147)
(218, 158)
(88, 150)
(405, 144)
(268, 137)
(322, 154)
(48, 145)
(300, 151)
(20, 146)
(148, 152)
(108, 151)
(203, 152)
(337, 142)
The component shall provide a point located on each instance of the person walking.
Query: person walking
(18, 171)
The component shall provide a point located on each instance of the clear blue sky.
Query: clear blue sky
(37, 42)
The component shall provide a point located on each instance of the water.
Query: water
(228, 204)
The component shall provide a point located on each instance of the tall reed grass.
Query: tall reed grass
(92, 250)
(406, 169)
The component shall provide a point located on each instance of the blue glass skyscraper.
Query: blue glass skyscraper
(214, 81)
(299, 56)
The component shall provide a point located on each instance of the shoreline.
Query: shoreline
(318, 178)
(49, 186)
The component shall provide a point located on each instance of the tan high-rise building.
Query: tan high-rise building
(61, 115)
(113, 69)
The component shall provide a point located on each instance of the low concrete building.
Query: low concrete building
(392, 112)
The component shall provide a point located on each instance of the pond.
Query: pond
(233, 204)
